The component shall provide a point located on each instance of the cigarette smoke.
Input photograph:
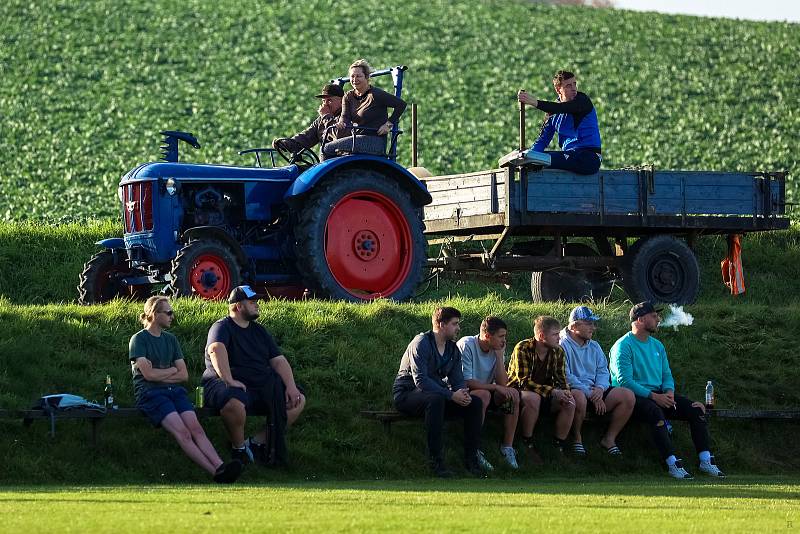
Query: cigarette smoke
(677, 317)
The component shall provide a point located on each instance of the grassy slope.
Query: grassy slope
(41, 264)
(625, 505)
(346, 357)
(87, 86)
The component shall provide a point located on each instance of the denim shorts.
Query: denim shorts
(158, 402)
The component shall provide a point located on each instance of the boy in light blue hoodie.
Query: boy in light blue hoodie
(588, 376)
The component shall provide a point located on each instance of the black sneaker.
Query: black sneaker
(259, 450)
(244, 455)
(531, 454)
(474, 468)
(440, 470)
(228, 472)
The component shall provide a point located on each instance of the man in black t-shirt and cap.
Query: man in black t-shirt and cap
(246, 372)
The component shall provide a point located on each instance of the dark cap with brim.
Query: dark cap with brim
(642, 309)
(241, 293)
(331, 89)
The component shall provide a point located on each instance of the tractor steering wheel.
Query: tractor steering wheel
(304, 157)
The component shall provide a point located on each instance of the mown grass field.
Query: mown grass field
(618, 505)
(86, 87)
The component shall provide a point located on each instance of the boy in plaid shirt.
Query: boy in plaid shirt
(538, 369)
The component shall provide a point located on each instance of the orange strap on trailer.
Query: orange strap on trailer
(732, 273)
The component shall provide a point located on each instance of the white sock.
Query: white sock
(705, 456)
(671, 460)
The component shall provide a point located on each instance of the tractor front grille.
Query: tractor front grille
(137, 206)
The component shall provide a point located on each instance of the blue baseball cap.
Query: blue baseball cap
(582, 313)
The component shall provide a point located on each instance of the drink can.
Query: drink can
(199, 392)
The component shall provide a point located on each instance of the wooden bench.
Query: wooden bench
(387, 417)
(95, 417)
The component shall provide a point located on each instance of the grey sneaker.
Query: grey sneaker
(710, 468)
(483, 462)
(510, 457)
(677, 471)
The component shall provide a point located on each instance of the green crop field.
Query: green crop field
(86, 86)
(532, 505)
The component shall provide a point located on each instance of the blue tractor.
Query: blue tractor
(347, 228)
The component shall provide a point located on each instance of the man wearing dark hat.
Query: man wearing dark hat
(247, 373)
(329, 111)
(639, 363)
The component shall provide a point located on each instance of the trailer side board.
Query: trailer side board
(719, 201)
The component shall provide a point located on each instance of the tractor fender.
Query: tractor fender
(214, 232)
(306, 181)
(112, 243)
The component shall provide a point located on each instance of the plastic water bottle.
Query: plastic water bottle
(709, 395)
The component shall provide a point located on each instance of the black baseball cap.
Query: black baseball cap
(241, 293)
(331, 89)
(642, 309)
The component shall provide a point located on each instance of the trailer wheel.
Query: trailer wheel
(100, 279)
(662, 269)
(572, 285)
(204, 268)
(359, 237)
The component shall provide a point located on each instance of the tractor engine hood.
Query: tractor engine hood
(200, 171)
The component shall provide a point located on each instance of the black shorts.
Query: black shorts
(256, 400)
(590, 404)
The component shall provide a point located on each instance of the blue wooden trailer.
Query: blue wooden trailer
(578, 234)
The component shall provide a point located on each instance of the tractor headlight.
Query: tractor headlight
(171, 186)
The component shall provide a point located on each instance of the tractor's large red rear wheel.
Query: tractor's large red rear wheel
(359, 237)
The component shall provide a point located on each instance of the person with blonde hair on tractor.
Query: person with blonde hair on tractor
(365, 106)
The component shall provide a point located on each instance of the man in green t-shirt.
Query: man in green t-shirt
(158, 368)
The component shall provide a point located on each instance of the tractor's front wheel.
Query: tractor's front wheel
(101, 279)
(359, 237)
(204, 268)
